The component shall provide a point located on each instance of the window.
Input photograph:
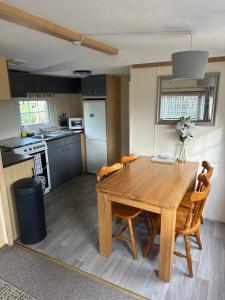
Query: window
(172, 107)
(33, 112)
(194, 98)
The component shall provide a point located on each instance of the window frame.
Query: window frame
(211, 123)
(36, 125)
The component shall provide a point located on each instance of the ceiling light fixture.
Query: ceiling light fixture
(82, 73)
(189, 64)
(16, 61)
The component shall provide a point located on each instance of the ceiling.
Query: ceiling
(53, 56)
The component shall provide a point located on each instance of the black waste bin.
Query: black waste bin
(30, 208)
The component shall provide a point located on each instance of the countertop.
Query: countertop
(18, 142)
(10, 158)
(49, 138)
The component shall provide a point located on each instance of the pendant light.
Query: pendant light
(189, 64)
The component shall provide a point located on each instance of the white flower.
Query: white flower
(186, 128)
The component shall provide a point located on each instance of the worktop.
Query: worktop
(18, 142)
(10, 158)
(56, 137)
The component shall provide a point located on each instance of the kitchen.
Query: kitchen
(63, 150)
(111, 137)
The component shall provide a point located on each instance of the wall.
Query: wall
(71, 104)
(148, 138)
(125, 115)
(8, 121)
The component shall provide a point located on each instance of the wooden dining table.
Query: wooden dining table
(151, 186)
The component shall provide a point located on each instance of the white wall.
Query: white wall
(148, 138)
(8, 121)
(71, 104)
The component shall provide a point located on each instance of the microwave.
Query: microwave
(76, 123)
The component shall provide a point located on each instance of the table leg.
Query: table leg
(104, 224)
(167, 236)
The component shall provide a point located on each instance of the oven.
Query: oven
(39, 152)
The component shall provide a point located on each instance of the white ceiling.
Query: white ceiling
(50, 55)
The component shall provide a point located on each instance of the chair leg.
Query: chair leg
(132, 239)
(188, 255)
(151, 221)
(150, 244)
(197, 236)
(118, 220)
(146, 221)
(202, 221)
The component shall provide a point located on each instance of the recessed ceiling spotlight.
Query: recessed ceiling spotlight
(16, 61)
(82, 73)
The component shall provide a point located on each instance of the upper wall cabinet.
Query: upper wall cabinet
(22, 83)
(94, 86)
(4, 80)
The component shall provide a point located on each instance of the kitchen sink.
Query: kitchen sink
(53, 134)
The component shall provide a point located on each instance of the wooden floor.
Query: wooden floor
(71, 213)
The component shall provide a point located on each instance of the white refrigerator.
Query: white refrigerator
(95, 133)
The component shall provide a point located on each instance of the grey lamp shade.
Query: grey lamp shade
(189, 64)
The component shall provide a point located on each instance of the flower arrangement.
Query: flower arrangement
(186, 132)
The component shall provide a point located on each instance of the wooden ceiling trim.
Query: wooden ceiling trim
(168, 63)
(15, 15)
(87, 41)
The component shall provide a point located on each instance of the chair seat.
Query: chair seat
(181, 217)
(186, 202)
(125, 212)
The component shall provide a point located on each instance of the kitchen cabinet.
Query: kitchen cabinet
(4, 80)
(65, 160)
(94, 85)
(22, 83)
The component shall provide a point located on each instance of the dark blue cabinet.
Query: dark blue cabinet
(94, 85)
(64, 159)
(22, 83)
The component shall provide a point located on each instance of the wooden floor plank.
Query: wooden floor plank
(72, 223)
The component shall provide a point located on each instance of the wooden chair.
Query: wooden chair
(208, 171)
(126, 160)
(187, 222)
(121, 212)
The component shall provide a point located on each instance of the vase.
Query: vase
(182, 154)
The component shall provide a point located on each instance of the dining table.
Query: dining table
(151, 186)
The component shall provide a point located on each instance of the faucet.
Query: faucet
(42, 132)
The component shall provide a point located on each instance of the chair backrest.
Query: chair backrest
(104, 171)
(125, 160)
(207, 170)
(198, 200)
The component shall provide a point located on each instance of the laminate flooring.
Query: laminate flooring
(71, 214)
